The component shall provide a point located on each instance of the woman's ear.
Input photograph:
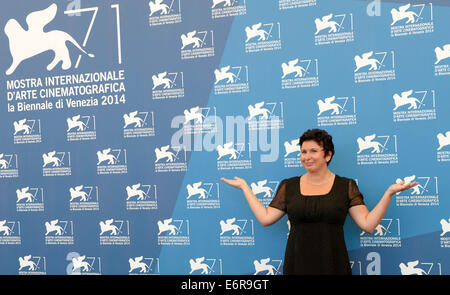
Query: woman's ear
(329, 156)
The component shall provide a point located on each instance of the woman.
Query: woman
(317, 204)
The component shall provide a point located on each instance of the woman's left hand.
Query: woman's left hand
(401, 186)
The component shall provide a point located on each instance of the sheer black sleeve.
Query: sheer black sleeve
(354, 195)
(279, 201)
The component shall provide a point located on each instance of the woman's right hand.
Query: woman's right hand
(266, 216)
(237, 182)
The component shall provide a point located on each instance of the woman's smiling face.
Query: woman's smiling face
(313, 156)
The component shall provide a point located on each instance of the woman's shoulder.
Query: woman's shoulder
(344, 179)
(291, 180)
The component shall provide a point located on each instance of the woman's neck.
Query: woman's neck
(318, 177)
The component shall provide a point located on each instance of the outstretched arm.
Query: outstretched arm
(266, 216)
(368, 221)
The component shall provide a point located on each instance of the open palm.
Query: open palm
(401, 186)
(237, 182)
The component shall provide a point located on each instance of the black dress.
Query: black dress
(316, 244)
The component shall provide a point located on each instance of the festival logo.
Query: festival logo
(414, 105)
(164, 12)
(30, 199)
(56, 40)
(205, 266)
(168, 85)
(442, 63)
(228, 8)
(369, 143)
(203, 195)
(141, 197)
(10, 233)
(32, 265)
(21, 48)
(56, 163)
(173, 232)
(300, 73)
(410, 20)
(420, 268)
(197, 44)
(83, 265)
(233, 156)
(27, 131)
(231, 80)
(443, 140)
(443, 152)
(170, 159)
(83, 198)
(268, 266)
(445, 226)
(426, 193)
(138, 124)
(292, 154)
(112, 161)
(199, 120)
(291, 4)
(143, 266)
(58, 91)
(386, 234)
(114, 232)
(59, 232)
(264, 190)
(334, 29)
(445, 237)
(81, 128)
(336, 111)
(86, 265)
(237, 232)
(376, 149)
(442, 53)
(262, 37)
(265, 115)
(374, 66)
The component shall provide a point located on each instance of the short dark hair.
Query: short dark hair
(322, 138)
